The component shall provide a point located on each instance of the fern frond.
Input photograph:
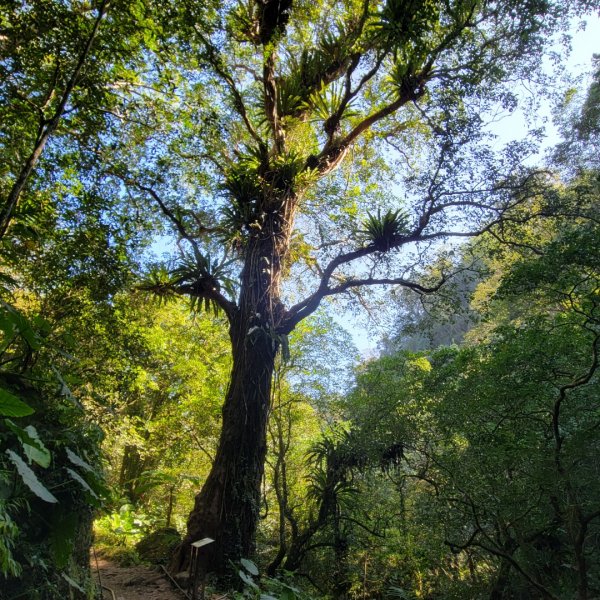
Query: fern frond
(383, 231)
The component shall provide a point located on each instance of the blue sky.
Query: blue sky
(585, 37)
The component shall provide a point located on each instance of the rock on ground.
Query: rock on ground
(157, 547)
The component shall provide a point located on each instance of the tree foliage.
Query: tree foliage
(499, 436)
(50, 475)
(294, 153)
(273, 176)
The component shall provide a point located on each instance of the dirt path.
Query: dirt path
(134, 583)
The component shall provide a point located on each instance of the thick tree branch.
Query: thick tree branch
(583, 379)
(362, 526)
(499, 553)
(337, 67)
(305, 308)
(270, 102)
(301, 310)
(412, 88)
(335, 149)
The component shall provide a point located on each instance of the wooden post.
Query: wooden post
(196, 571)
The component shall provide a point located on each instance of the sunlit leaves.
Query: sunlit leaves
(34, 448)
(327, 103)
(12, 406)
(404, 22)
(17, 328)
(160, 282)
(500, 436)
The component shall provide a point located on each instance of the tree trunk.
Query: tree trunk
(340, 575)
(498, 591)
(227, 507)
(280, 482)
(132, 466)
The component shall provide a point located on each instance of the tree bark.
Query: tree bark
(227, 507)
(502, 580)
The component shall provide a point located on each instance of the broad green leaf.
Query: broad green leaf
(11, 406)
(79, 479)
(78, 461)
(30, 479)
(37, 452)
(94, 480)
(73, 583)
(26, 331)
(12, 322)
(32, 445)
(247, 580)
(249, 566)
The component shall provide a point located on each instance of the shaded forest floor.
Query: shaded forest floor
(137, 582)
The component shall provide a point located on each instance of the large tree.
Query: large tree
(267, 130)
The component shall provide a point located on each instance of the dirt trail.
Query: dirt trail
(134, 583)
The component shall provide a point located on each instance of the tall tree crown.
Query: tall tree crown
(290, 120)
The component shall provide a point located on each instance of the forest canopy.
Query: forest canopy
(288, 160)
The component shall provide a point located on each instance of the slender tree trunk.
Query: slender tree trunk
(132, 466)
(170, 506)
(47, 128)
(502, 580)
(580, 558)
(341, 581)
(280, 481)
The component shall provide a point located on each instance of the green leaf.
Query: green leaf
(73, 583)
(249, 566)
(23, 326)
(37, 452)
(78, 461)
(64, 389)
(79, 479)
(382, 231)
(32, 445)
(93, 479)
(247, 580)
(11, 406)
(30, 479)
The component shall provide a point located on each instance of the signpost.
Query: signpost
(197, 574)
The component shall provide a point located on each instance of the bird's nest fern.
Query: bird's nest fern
(196, 277)
(383, 232)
